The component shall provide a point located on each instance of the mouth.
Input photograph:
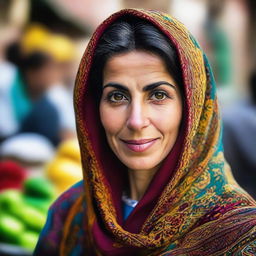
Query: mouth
(139, 145)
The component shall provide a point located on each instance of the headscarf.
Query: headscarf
(193, 206)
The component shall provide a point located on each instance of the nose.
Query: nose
(137, 117)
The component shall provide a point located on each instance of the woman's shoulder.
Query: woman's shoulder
(60, 209)
(68, 197)
(51, 235)
(231, 234)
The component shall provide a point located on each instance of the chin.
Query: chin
(140, 164)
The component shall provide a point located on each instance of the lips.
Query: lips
(139, 145)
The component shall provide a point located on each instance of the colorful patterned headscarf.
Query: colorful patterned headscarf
(193, 206)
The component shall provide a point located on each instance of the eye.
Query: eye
(117, 97)
(159, 95)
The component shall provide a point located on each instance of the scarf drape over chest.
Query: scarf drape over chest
(193, 206)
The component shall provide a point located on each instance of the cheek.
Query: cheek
(111, 120)
(169, 120)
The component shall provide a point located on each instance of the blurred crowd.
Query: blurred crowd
(36, 85)
(41, 44)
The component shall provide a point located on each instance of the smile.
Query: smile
(139, 145)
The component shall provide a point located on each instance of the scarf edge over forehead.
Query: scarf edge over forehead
(200, 178)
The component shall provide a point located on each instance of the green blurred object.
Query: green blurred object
(39, 187)
(221, 57)
(28, 240)
(31, 217)
(10, 228)
(40, 204)
(10, 201)
(23, 213)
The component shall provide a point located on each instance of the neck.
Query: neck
(139, 182)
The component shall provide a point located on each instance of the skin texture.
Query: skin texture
(133, 113)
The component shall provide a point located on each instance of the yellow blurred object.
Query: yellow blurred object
(61, 48)
(38, 39)
(70, 149)
(35, 39)
(64, 173)
(65, 169)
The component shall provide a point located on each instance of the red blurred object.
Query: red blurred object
(12, 175)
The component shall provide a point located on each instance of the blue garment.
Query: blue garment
(21, 102)
(128, 206)
(43, 119)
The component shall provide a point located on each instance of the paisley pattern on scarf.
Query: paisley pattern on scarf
(201, 210)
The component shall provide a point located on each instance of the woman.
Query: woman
(155, 180)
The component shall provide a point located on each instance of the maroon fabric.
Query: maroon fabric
(107, 245)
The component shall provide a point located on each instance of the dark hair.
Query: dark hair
(32, 61)
(128, 34)
(35, 61)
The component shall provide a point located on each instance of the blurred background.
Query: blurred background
(41, 44)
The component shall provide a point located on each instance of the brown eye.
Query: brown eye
(158, 96)
(117, 97)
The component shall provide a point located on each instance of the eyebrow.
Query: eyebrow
(145, 88)
(154, 85)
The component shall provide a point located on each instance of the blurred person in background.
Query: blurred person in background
(219, 47)
(7, 76)
(35, 71)
(60, 91)
(239, 137)
(40, 98)
(56, 80)
(9, 31)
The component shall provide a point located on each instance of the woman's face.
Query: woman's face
(140, 109)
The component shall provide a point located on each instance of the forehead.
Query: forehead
(135, 63)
